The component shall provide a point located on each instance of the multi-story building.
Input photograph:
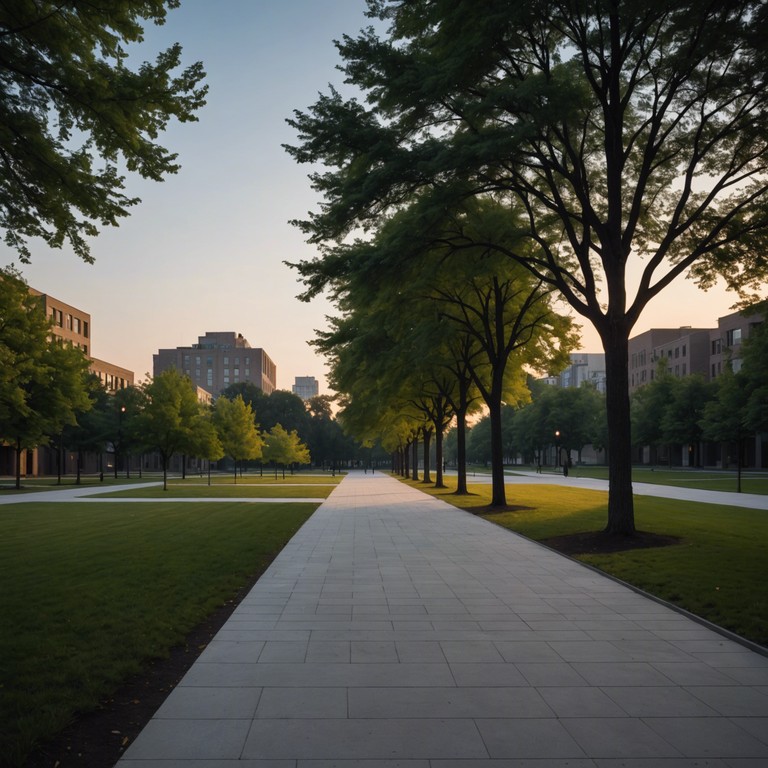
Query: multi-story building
(725, 341)
(585, 367)
(220, 358)
(686, 350)
(305, 387)
(73, 326)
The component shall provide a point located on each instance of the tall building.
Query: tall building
(219, 358)
(306, 387)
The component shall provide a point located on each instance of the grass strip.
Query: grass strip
(92, 592)
(718, 570)
(751, 482)
(238, 491)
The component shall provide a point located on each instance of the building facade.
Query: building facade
(306, 387)
(585, 368)
(219, 359)
(685, 349)
(70, 325)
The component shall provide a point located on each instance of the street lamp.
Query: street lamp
(557, 447)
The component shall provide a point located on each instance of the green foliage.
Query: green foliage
(285, 448)
(629, 134)
(73, 112)
(236, 427)
(42, 382)
(170, 414)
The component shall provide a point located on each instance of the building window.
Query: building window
(76, 324)
(716, 349)
(733, 337)
(677, 352)
(226, 361)
(209, 378)
(85, 328)
(69, 322)
(197, 373)
(209, 361)
(685, 350)
(247, 371)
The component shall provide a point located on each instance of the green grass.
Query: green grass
(719, 570)
(92, 592)
(751, 482)
(239, 491)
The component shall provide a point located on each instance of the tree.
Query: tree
(754, 370)
(169, 416)
(73, 112)
(284, 448)
(42, 382)
(631, 133)
(205, 439)
(724, 416)
(236, 425)
(681, 421)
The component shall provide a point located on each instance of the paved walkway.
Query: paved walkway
(395, 631)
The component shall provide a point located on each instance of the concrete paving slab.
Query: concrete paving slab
(395, 631)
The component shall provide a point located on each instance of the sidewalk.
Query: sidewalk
(397, 631)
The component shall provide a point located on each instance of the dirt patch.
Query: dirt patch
(602, 543)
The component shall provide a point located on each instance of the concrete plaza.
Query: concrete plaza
(395, 631)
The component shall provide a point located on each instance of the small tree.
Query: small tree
(284, 448)
(169, 415)
(236, 427)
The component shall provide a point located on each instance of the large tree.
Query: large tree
(74, 114)
(634, 134)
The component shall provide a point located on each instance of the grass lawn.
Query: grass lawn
(92, 592)
(751, 482)
(719, 570)
(239, 491)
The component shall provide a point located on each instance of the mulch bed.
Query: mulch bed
(602, 543)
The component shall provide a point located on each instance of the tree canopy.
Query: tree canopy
(634, 136)
(74, 115)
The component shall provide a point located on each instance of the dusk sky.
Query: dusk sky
(204, 250)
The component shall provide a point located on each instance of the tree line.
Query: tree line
(617, 147)
(49, 398)
(685, 420)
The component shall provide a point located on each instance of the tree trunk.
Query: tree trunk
(439, 457)
(621, 512)
(498, 491)
(427, 441)
(461, 452)
(415, 472)
(18, 463)
(407, 462)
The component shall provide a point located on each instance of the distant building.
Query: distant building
(306, 387)
(685, 349)
(73, 326)
(219, 358)
(585, 367)
(725, 341)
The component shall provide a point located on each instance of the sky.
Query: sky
(204, 250)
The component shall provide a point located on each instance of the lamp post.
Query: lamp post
(557, 447)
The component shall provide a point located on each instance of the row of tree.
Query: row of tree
(669, 412)
(617, 147)
(48, 397)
